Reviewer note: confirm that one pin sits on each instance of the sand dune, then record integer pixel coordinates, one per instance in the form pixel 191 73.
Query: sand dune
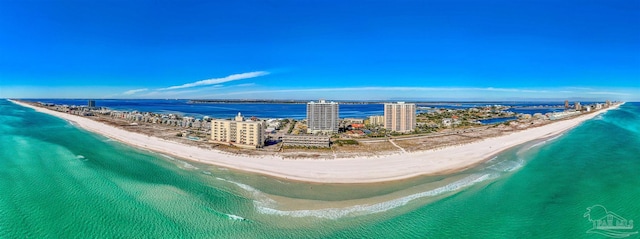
pixel 351 170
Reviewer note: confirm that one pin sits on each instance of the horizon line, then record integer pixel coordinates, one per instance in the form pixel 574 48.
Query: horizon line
pixel 336 100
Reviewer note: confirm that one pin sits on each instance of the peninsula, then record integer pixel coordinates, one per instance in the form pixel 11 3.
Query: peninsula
pixel 359 169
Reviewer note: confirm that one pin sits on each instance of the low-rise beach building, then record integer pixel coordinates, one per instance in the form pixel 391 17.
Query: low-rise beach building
pixel 353 120
pixel 238 132
pixel 562 115
pixel 599 106
pixel 446 122
pixel 320 141
pixel 376 120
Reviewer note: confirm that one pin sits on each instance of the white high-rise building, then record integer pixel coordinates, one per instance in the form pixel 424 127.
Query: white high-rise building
pixel 322 117
pixel 400 117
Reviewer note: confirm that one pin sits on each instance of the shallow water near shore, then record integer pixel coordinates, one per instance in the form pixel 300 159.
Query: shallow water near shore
pixel 60 181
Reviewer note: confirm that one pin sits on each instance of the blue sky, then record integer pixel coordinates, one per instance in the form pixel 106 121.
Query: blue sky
pixel 431 50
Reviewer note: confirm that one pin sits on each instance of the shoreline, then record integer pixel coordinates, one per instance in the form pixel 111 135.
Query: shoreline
pixel 381 168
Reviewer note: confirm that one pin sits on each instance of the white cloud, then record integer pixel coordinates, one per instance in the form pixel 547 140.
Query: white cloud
pixel 214 81
pixel 400 92
pixel 393 88
pixel 606 93
pixel 511 90
pixel 189 91
pixel 579 88
pixel 131 92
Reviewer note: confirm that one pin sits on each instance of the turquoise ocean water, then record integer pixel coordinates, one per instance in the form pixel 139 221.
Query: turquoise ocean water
pixel 58 181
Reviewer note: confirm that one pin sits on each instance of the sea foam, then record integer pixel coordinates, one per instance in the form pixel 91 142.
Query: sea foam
pixel 257 195
pixel 335 213
pixel 82 158
pixel 235 217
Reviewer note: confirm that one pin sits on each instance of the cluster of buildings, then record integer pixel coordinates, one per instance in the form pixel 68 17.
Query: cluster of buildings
pixel 322 117
pixel 74 110
pixel 322 121
pixel 134 117
pixel 163 119
pixel 577 109
pixel 563 114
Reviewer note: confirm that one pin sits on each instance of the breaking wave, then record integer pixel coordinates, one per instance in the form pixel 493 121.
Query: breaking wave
pixel 543 142
pixel 167 157
pixel 508 165
pixel 82 158
pixel 188 166
pixel 494 168
pixel 235 217
pixel 257 195
pixel 335 213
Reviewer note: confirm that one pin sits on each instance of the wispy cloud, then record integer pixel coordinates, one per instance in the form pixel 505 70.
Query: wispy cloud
pixel 186 92
pixel 607 93
pixel 385 89
pixel 214 81
pixel 580 88
pixel 131 92
pixel 511 90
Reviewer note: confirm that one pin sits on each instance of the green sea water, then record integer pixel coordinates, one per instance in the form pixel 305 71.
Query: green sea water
pixel 58 181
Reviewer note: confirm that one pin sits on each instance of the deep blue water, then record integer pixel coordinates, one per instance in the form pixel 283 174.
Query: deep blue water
pixel 221 110
pixel 535 110
pixel 296 111
pixel 496 120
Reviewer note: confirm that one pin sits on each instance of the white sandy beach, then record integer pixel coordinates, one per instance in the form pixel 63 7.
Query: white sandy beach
pixel 351 170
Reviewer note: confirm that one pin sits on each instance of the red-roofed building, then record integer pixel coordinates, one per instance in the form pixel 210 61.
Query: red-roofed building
pixel 357 126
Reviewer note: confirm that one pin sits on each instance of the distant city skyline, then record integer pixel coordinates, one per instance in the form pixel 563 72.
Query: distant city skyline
pixel 349 50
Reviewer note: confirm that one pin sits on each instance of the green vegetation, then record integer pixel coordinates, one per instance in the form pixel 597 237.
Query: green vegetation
pixel 342 142
pixel 376 131
pixel 461 118
pixel 292 126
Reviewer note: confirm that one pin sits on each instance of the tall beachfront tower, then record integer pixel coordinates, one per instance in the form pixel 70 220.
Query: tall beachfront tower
pixel 400 117
pixel 322 117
